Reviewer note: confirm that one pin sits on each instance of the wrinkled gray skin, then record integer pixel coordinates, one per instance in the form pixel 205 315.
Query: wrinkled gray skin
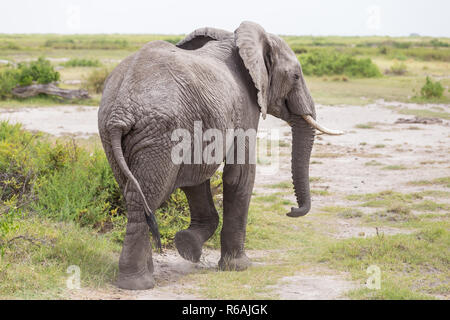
pixel 226 80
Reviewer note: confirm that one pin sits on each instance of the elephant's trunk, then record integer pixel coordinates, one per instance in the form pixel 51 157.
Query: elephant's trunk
pixel 302 143
pixel 301 104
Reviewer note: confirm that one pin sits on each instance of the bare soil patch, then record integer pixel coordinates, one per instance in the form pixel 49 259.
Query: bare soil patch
pixel 314 286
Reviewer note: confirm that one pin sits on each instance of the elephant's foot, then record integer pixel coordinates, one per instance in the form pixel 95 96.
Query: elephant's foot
pixel 189 245
pixel 230 263
pixel 140 281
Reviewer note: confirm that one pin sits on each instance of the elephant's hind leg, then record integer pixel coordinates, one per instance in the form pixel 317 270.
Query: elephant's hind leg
pixel 204 221
pixel 135 263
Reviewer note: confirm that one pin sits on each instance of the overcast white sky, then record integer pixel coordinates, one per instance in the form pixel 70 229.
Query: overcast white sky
pixel 296 17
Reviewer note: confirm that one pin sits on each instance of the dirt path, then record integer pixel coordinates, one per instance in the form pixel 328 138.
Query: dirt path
pixel 80 121
pixel 348 164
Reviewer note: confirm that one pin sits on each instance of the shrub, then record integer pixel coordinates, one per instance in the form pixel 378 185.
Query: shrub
pixel 438 43
pixel 40 71
pixel 401 45
pixel 323 62
pixel 82 63
pixel 400 57
pixel 58 180
pixel 8 81
pixel 9 45
pixel 398 68
pixel 432 89
pixel 80 188
pixel 383 50
pixel 64 182
pixel 96 80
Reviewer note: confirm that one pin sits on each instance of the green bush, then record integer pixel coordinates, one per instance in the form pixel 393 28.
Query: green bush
pixel 438 43
pixel 401 45
pixel 65 182
pixel 58 180
pixel 96 80
pixel 40 71
pixel 432 89
pixel 9 45
pixel 82 63
pixel 326 62
pixel 81 190
pixel 8 81
pixel 383 50
pixel 398 68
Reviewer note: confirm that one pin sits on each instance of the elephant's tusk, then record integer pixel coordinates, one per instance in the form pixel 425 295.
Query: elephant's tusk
pixel 314 124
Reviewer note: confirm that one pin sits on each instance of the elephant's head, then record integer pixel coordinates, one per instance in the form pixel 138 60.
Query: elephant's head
pixel 282 92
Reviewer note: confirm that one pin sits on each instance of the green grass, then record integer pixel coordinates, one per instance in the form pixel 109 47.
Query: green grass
pixel 373 163
pixel 412 266
pixel 429 205
pixel 47 101
pixel 75 62
pixel 420 61
pixel 38 270
pixel 267 221
pixel 79 203
pixel 281 185
pixel 383 198
pixel 398 207
pixel 425 113
pixel 369 125
pixel 366 91
pixel 317 192
pixel 64 198
pixel 438 181
pixel 424 254
pixel 344 212
pixel 326 155
pixel 395 167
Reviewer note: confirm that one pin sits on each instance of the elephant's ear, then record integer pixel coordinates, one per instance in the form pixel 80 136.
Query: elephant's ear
pixel 199 37
pixel 256 53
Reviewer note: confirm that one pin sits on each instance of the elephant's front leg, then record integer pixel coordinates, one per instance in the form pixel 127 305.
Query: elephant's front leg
pixel 237 190
pixel 135 263
pixel 204 221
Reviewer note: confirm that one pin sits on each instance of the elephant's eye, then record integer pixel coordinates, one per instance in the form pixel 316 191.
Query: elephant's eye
pixel 296 76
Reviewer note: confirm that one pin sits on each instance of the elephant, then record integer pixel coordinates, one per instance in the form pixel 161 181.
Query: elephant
pixel 226 80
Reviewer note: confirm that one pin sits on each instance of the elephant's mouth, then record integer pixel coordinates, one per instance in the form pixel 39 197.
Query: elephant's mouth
pixel 310 120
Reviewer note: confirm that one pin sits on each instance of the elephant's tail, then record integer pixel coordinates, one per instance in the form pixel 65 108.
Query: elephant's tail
pixel 116 143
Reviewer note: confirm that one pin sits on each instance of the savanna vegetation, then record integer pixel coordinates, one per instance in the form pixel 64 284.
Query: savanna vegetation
pixel 49 184
pixel 339 70
pixel 60 205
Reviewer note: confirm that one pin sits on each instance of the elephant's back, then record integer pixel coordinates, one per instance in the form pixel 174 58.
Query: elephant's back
pixel 161 79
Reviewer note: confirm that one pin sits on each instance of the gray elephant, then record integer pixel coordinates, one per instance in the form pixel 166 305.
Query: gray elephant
pixel 225 80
